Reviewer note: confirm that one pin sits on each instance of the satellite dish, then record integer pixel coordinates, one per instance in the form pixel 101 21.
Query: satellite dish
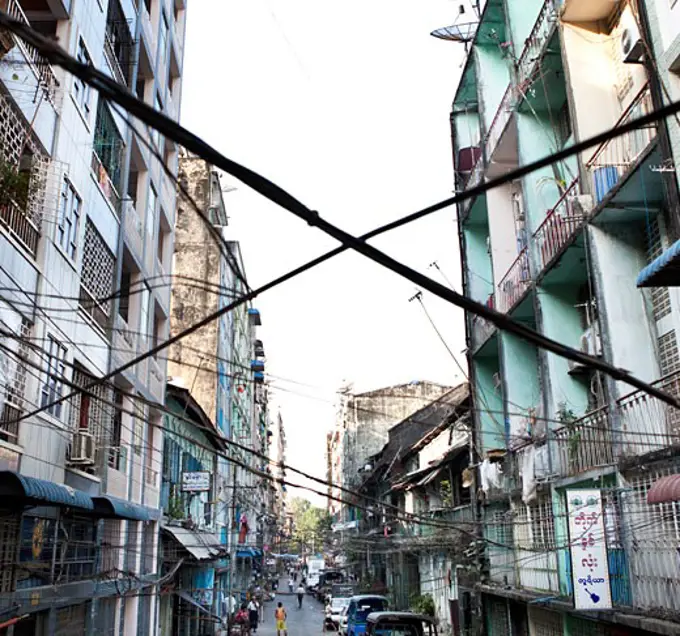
pixel 464 32
pixel 467 478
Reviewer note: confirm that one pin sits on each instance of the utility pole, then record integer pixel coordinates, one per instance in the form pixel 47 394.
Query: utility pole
pixel 232 553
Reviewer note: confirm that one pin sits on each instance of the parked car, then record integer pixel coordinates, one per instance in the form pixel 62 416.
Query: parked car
pixel 334 612
pixel 400 624
pixel 358 610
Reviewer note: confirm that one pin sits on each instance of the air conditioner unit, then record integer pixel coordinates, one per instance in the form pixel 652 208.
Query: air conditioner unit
pixel 589 344
pixel 632 47
pixel 82 449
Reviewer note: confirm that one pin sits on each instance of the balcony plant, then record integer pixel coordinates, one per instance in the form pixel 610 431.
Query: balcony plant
pixel 423 604
pixel 567 417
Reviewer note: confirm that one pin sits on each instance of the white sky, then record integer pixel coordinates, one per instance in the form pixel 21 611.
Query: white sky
pixel 345 105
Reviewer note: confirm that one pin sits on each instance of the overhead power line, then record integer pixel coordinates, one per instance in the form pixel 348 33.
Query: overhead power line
pixel 120 95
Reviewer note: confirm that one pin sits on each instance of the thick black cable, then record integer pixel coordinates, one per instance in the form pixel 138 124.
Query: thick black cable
pixel 123 97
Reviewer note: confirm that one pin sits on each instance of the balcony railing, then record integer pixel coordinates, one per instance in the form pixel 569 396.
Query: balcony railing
pixel 481 328
pixel 647 423
pixel 95 309
pixel 475 177
pixel 500 121
pixel 9 423
pixel 19 225
pixel 124 341
pixel 156 380
pixel 515 282
pixel 112 59
pixel 615 157
pixel 40 65
pixel 104 181
pixel 560 224
pixel 133 227
pixel 536 42
pixel 585 443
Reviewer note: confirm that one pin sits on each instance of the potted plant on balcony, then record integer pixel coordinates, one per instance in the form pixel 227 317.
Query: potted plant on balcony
pixel 567 417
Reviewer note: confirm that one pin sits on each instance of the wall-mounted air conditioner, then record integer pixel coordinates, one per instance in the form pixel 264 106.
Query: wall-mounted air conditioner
pixel 590 344
pixel 82 449
pixel 632 47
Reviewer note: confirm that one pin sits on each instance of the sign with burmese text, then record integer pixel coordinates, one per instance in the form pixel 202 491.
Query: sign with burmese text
pixel 198 481
pixel 588 547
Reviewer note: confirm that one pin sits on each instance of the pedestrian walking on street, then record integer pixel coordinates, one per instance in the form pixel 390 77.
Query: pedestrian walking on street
pixel 280 615
pixel 253 615
pixel 300 595
pixel 290 584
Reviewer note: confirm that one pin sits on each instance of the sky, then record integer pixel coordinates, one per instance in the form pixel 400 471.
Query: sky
pixel 345 105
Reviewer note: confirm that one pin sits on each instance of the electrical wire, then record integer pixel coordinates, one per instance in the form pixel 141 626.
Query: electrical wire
pixel 114 92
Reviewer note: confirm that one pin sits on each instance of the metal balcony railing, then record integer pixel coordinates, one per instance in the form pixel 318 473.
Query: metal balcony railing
pixel 19 225
pixel 123 339
pixel 560 224
pixel 481 328
pixel 475 177
pixel 500 121
pixel 585 443
pixel 112 59
pixel 133 227
pixel 40 65
pixel 615 157
pixel 536 42
pixel 515 282
pixel 647 423
pixel 104 181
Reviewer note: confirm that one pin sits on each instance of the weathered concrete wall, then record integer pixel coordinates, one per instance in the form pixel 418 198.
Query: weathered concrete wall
pixel 369 416
pixel 197 255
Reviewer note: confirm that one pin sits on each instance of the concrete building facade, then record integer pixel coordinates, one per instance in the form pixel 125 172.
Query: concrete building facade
pixel 572 251
pixel 86 210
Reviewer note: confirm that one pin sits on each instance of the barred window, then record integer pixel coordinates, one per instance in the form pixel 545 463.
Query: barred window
pixel 69 219
pixel 13 373
pixel 96 276
pixel 542 523
pixel 53 386
pixel 669 358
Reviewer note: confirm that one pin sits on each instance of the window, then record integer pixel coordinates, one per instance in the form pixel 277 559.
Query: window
pixel 69 219
pixel 151 203
pixel 163 41
pixel 54 382
pixel 151 473
pixel 669 358
pixel 145 299
pixel 96 276
pixel 158 105
pixel 107 153
pixel 81 91
pixel 115 459
pixel 564 129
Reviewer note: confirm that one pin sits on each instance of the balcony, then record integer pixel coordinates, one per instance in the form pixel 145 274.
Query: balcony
pixel 104 182
pixel 536 42
pixel 501 149
pixel 647 423
pixel 515 283
pixel 163 286
pixel 37 62
pixel 156 380
pixel 134 231
pixel 482 329
pixel 112 61
pixel 19 225
pixel 560 225
pixel 124 341
pixel 585 443
pixel 95 310
pixel 615 159
pixel 588 10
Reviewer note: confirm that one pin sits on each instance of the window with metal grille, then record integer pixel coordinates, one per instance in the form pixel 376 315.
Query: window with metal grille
pixel 148 564
pixel 497 617
pixel 116 457
pixel 545 623
pixel 72 620
pixel 81 90
pixel 77 549
pixel 53 386
pixel 9 543
pixel 96 276
pixel 541 524
pixel 107 152
pixel 111 545
pixel 13 373
pixel 132 543
pixel 669 357
pixel 91 413
pixel 69 219
pixel 660 297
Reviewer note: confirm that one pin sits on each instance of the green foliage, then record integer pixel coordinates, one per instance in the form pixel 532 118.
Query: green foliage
pixel 446 493
pixel 175 508
pixel 311 525
pixel 14 185
pixel 567 417
pixel 423 604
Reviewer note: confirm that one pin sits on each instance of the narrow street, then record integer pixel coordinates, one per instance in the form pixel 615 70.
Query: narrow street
pixel 307 621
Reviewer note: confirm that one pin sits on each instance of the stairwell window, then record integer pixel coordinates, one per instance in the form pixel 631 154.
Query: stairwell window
pixel 96 276
pixel 53 386
pixel 81 90
pixel 69 219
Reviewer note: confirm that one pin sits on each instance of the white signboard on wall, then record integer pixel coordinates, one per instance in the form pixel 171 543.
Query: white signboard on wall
pixel 196 481
pixel 588 547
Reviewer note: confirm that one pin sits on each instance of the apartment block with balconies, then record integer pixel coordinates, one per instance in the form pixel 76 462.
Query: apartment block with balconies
pixel 71 237
pixel 561 250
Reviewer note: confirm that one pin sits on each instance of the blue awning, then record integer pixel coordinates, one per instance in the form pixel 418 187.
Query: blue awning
pixel 113 507
pixel 22 490
pixel 245 553
pixel 663 271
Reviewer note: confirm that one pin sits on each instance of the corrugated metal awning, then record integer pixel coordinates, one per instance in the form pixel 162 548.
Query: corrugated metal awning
pixel 23 490
pixel 113 507
pixel 664 490
pixel 202 546
pixel 189 599
pixel 663 271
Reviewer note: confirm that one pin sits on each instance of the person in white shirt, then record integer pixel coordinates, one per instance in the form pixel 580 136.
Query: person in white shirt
pixel 300 595
pixel 253 615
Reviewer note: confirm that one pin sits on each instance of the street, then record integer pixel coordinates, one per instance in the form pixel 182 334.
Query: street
pixel 308 620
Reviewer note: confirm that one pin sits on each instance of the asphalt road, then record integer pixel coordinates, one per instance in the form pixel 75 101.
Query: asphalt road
pixel 301 622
